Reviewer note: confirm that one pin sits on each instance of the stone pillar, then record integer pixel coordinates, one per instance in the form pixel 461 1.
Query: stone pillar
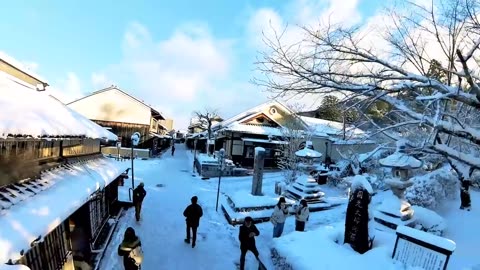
pixel 258 171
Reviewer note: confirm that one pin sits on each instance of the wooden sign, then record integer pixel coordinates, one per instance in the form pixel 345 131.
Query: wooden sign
pixel 417 248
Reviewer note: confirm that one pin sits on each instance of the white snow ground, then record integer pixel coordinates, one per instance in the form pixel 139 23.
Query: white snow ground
pixel 162 227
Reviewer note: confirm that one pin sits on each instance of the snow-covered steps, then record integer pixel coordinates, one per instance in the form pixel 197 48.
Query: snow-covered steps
pixel 389 223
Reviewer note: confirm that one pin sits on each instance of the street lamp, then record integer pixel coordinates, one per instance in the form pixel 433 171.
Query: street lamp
pixel 135 140
pixel 221 167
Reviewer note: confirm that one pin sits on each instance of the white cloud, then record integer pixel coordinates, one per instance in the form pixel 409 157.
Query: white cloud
pixel 67 89
pixel 100 80
pixel 177 74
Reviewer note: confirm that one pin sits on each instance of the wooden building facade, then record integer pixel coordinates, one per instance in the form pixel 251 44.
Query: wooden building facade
pixel 124 114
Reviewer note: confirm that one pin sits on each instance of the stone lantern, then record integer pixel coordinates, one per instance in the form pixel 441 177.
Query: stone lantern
pixel 394 209
pixel 308 157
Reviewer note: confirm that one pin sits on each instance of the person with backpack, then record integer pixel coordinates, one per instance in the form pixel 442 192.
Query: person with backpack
pixel 193 213
pixel 131 250
pixel 279 215
pixel 301 216
pixel 246 235
pixel 139 194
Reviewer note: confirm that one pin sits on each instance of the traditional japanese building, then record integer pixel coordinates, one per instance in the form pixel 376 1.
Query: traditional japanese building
pixel 57 191
pixel 124 114
pixel 271 125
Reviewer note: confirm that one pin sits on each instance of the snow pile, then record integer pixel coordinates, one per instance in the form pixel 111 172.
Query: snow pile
pixel 432 188
pixel 13 267
pixel 206 159
pixel 328 251
pixel 438 241
pixel 361 181
pixel 374 181
pixel 308 153
pixel 401 160
pixel 244 199
pixel 259 149
pixel 30 113
pixel 429 221
pixel 71 189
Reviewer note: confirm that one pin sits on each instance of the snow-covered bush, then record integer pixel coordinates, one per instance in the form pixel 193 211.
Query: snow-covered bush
pixel 429 221
pixel 432 188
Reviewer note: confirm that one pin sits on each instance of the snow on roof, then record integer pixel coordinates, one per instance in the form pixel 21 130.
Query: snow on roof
pixel 18 65
pixel 14 267
pixel 253 129
pixel 327 128
pixel 114 87
pixel 28 112
pixel 36 216
pixel 251 112
pixel 401 160
pixel 307 152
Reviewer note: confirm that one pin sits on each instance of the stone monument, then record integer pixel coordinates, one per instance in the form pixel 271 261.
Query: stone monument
pixel 258 171
pixel 395 210
pixel 356 221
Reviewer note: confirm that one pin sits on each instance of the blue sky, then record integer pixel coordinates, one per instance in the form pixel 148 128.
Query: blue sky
pixel 178 56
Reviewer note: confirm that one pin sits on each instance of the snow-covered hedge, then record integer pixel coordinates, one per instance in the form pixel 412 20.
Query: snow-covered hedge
pixel 432 188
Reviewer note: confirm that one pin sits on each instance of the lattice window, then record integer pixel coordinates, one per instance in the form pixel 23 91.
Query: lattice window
pixel 51 254
pixel 98 212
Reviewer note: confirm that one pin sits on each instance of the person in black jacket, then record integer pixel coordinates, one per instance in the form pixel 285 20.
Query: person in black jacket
pixel 193 213
pixel 139 194
pixel 173 149
pixel 247 234
pixel 129 243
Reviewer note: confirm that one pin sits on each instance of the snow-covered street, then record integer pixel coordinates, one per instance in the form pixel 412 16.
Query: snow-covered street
pixel 170 185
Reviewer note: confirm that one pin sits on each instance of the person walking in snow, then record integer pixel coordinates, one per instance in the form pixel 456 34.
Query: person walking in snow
pixel 246 235
pixel 139 194
pixel 193 213
pixel 301 216
pixel 173 149
pixel 131 250
pixel 279 215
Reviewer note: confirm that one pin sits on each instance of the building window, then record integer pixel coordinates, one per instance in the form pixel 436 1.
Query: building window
pixel 51 254
pixel 98 212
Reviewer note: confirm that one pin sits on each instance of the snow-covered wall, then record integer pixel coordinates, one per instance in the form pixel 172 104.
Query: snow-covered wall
pixel 113 105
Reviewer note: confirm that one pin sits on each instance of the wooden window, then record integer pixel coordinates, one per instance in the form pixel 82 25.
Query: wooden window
pixel 98 212
pixel 51 254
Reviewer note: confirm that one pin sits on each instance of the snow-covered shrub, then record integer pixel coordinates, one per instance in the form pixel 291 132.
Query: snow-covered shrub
pixel 432 188
pixel 429 221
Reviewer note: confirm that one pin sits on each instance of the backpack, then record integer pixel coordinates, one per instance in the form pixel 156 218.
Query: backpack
pixel 137 255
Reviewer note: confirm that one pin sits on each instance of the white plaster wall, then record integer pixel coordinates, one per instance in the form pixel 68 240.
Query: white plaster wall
pixel 113 105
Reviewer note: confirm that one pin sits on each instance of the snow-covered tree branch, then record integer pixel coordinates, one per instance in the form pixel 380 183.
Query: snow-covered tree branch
pixel 424 63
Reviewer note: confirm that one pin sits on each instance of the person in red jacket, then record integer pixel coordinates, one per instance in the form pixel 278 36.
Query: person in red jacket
pixel 247 234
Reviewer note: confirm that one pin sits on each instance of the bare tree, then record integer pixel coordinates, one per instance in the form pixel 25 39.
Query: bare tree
pixel 206 117
pixel 295 136
pixel 438 116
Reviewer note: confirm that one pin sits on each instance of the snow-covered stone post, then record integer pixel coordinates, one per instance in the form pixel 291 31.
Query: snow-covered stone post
pixel 395 210
pixel 258 171
pixel 356 221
